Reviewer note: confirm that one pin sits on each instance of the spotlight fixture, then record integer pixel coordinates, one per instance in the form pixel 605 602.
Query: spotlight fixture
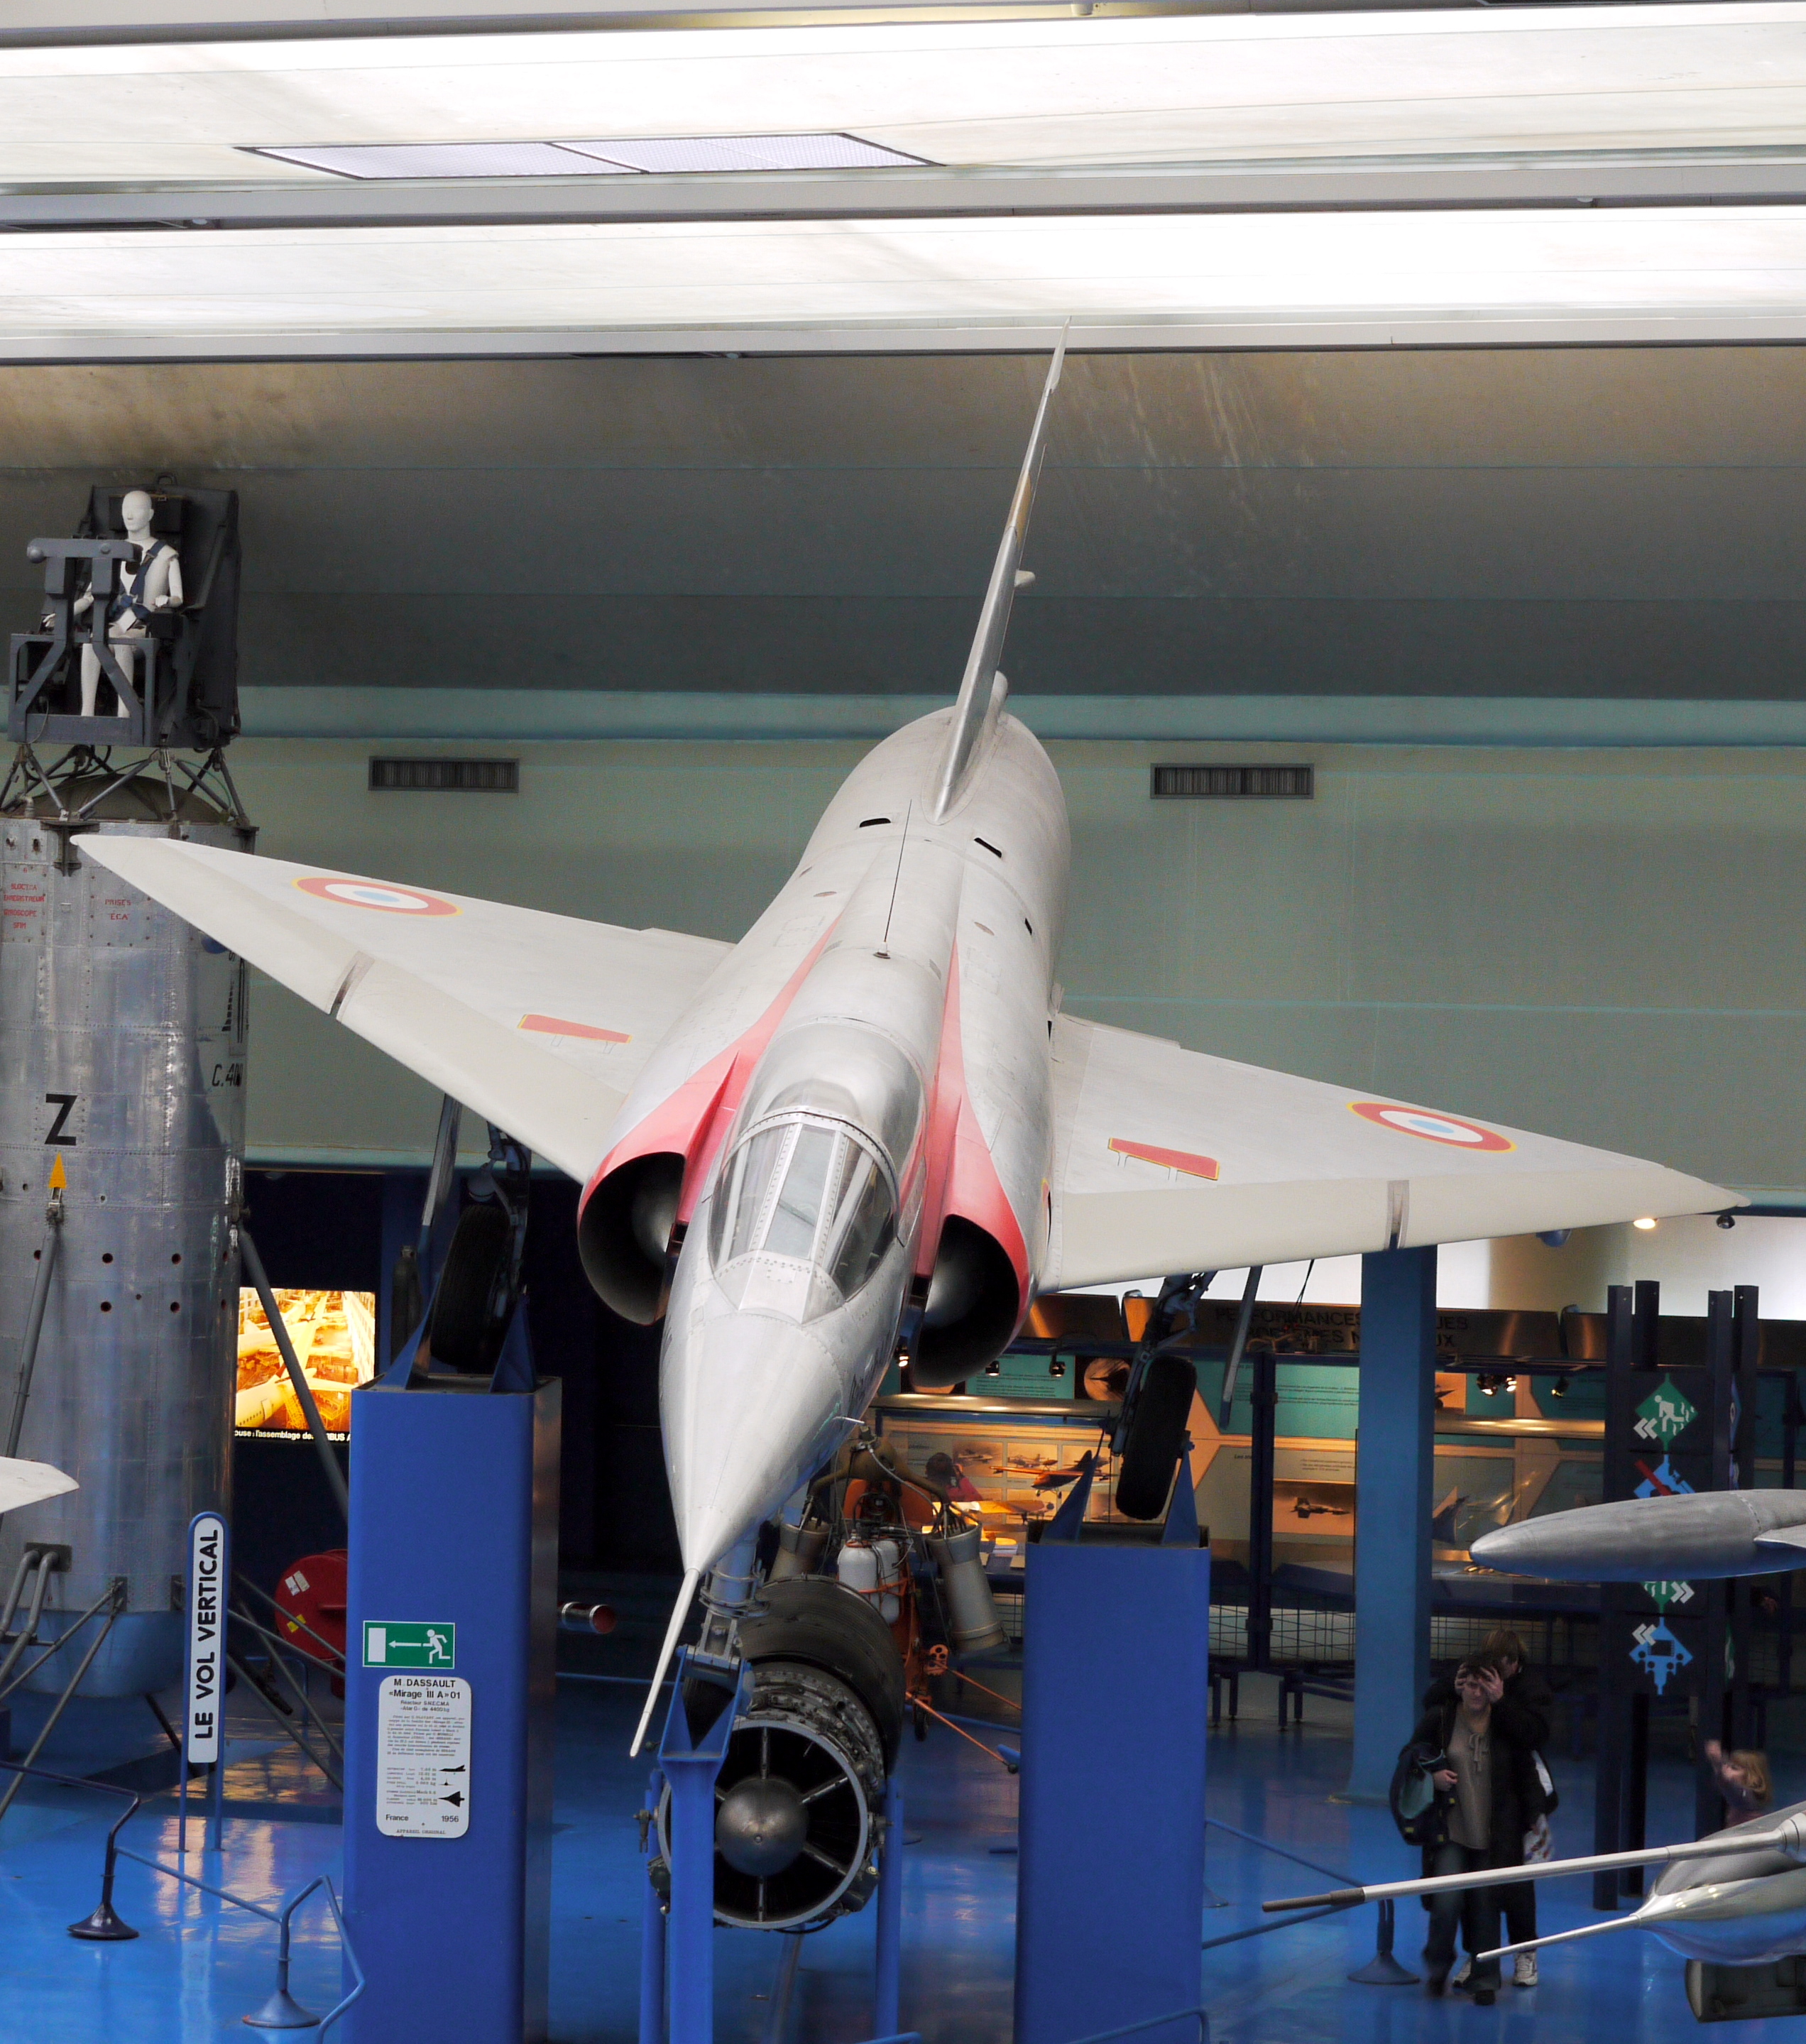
pixel 1056 1368
pixel 1643 1222
pixel 993 1368
pixel 1727 1220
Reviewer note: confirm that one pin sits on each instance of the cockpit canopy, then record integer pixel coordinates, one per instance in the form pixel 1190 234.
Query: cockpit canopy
pixel 841 1071
pixel 804 1212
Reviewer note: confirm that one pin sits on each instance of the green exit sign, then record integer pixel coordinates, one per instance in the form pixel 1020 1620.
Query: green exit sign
pixel 405 1643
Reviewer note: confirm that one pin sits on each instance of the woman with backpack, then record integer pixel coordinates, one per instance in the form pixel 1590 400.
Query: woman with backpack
pixel 1479 1753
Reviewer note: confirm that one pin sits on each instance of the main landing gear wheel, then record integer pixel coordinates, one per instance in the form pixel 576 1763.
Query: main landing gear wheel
pixel 1156 1437
pixel 469 1311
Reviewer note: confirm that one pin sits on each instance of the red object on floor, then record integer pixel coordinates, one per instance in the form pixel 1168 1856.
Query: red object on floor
pixel 311 1597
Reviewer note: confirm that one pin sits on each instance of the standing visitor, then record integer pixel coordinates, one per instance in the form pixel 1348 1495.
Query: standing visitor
pixel 1489 1796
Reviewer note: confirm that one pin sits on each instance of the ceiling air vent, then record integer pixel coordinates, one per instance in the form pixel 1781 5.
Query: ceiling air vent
pixel 446 777
pixel 1233 784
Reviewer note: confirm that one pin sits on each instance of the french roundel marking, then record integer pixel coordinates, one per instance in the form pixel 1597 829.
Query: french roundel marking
pixel 1431 1127
pixel 378 894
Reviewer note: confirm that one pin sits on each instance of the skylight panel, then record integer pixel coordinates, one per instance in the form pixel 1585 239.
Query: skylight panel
pixel 692 153
pixel 444 160
pixel 684 155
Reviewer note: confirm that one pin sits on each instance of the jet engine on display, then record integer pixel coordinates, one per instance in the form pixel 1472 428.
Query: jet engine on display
pixel 839 1659
pixel 867 1132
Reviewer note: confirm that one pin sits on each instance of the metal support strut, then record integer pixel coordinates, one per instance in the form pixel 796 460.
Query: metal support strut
pixel 43 1562
pixel 303 1390
pixel 651 1931
pixel 888 1998
pixel 34 1318
pixel 112 1604
pixel 691 1765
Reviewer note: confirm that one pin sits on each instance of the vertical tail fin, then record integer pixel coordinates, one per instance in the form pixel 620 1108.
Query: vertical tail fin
pixel 981 687
pixel 679 1612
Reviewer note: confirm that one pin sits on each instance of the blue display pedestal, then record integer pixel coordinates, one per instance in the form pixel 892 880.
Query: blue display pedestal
pixel 1394 1465
pixel 454 1533
pixel 1116 1713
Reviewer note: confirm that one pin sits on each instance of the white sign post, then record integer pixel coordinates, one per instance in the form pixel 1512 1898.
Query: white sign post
pixel 209 1573
pixel 423 1767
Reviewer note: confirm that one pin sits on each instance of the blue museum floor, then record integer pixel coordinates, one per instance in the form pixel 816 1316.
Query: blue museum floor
pixel 200 1965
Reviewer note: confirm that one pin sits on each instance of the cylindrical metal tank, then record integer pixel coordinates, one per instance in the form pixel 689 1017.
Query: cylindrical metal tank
pixel 122 1041
pixel 971 1610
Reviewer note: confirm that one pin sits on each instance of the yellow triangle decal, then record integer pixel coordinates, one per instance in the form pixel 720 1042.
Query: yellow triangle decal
pixel 59 1178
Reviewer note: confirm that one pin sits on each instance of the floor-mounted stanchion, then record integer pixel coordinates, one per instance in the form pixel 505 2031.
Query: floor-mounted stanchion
pixel 888 1997
pixel 204 1735
pixel 690 1763
pixel 1382 1969
pixel 215 1839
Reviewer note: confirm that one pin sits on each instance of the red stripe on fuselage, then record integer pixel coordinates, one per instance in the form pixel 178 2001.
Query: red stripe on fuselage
pixel 963 1177
pixel 692 1122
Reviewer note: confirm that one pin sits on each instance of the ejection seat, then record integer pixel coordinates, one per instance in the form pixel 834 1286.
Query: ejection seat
pixel 183 693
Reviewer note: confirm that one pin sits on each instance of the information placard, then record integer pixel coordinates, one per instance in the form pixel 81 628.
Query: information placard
pixel 423 1769
pixel 209 1572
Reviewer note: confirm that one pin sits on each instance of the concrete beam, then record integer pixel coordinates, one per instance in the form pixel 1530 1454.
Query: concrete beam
pixel 506 715
pixel 47 22
pixel 1487 183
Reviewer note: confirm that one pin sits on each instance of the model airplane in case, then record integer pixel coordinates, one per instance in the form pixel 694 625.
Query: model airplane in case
pixel 866 1129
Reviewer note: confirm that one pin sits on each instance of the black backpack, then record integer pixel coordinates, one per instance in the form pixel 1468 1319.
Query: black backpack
pixel 1418 1806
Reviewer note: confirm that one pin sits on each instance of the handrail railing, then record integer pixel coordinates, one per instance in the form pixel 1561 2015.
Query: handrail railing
pixel 1381 1970
pixel 104 1926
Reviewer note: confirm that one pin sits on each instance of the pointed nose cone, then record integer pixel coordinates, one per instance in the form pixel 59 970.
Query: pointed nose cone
pixel 1685 1538
pixel 750 1404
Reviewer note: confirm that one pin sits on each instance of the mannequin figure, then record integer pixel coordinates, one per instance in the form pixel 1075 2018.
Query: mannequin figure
pixel 152 582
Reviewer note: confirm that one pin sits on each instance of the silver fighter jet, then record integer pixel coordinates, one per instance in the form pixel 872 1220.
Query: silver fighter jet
pixel 867 1129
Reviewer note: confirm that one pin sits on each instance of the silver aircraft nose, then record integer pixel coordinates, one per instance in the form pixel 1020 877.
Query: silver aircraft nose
pixel 751 1403
pixel 1691 1538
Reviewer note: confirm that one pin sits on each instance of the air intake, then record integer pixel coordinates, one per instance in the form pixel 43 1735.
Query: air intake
pixel 446 777
pixel 1233 784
